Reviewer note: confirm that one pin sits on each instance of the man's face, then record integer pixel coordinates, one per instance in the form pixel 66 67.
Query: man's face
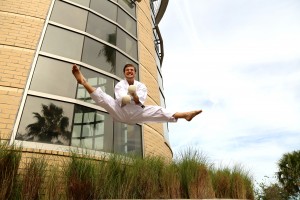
pixel 129 72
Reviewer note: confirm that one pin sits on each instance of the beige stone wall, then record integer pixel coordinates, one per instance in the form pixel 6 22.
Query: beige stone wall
pixel 155 144
pixel 53 158
pixel 154 141
pixel 21 24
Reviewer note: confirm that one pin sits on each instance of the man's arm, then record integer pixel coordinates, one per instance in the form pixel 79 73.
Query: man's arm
pixel 135 98
pixel 138 93
pixel 141 92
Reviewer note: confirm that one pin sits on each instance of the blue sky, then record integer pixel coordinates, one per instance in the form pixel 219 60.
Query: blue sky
pixel 239 61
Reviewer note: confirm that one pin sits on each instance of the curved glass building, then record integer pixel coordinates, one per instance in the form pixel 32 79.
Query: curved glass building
pixel 43 108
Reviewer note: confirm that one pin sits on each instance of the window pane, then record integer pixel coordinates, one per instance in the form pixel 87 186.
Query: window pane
pixel 87 130
pixel 82 2
pixel 101 28
pixel 121 61
pixel 62 42
pixel 127 43
pixel 99 55
pixel 126 22
pixel 105 8
pixel 162 99
pixel 99 143
pixel 93 125
pixel 89 117
pixel 96 80
pixel 88 124
pixel 87 143
pixel 166 132
pixel 75 143
pixel 76 132
pixel 128 6
pixel 69 15
pixel 128 139
pixel 53 77
pixel 99 126
pixel 160 79
pixel 45 121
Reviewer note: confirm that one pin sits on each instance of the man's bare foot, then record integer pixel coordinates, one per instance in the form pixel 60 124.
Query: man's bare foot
pixel 190 115
pixel 77 74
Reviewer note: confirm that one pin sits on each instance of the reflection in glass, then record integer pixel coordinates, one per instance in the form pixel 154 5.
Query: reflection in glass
pixel 99 55
pixel 82 2
pixel 160 79
pixel 48 125
pixel 62 42
pixel 128 5
pixel 105 8
pixel 99 143
pixel 92 129
pixel 166 133
pixel 126 22
pixel 128 139
pixel 69 15
pixel 127 43
pixel 53 77
pixel 96 80
pixel 101 28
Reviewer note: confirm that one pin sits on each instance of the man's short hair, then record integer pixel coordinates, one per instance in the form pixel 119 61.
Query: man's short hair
pixel 129 65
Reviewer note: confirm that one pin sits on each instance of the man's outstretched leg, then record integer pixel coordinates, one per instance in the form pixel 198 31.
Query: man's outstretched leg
pixel 81 80
pixel 101 98
pixel 187 115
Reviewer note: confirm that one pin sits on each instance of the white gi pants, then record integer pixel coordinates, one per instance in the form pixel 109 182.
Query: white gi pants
pixel 131 113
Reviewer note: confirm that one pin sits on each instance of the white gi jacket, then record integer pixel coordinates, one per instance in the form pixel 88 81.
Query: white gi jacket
pixel 121 89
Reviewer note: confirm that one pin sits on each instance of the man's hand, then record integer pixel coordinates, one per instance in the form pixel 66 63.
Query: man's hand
pixel 126 100
pixel 132 90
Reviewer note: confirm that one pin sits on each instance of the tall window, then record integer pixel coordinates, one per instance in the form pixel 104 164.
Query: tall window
pixel 100 36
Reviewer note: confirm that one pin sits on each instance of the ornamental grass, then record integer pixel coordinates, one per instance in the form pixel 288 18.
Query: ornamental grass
pixel 82 176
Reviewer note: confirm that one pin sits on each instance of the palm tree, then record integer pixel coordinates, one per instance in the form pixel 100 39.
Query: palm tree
pixel 289 172
pixel 50 126
pixel 109 52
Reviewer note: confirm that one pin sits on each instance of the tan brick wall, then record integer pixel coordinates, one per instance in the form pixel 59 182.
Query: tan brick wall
pixel 9 104
pixel 154 142
pixel 21 24
pixel 146 44
pixel 33 8
pixel 19 30
pixel 52 157
pixel 14 66
pixel 152 86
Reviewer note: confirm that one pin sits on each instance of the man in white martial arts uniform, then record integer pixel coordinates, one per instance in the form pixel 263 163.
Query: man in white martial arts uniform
pixel 128 106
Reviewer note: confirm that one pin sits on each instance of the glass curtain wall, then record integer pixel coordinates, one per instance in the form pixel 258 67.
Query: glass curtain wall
pixel 100 36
